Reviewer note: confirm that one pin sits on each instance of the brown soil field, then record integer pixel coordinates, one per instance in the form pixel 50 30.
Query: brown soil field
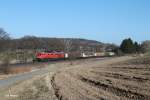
pixel 104 81
pixel 120 78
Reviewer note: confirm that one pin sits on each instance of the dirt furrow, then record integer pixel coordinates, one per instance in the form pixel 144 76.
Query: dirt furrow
pixel 56 89
pixel 121 76
pixel 75 87
pixel 101 94
pixel 117 91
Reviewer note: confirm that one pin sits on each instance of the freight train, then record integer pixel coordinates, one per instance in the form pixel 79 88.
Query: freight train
pixel 58 55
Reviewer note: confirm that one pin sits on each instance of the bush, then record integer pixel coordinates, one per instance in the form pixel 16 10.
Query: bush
pixel 118 52
pixel 5 64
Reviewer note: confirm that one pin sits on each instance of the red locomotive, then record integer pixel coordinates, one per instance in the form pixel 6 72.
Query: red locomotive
pixel 50 55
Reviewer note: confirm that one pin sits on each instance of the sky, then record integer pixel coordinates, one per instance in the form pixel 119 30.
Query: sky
pixel 108 21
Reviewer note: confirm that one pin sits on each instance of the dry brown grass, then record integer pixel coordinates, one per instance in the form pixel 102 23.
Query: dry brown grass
pixel 33 89
pixel 104 81
pixel 112 79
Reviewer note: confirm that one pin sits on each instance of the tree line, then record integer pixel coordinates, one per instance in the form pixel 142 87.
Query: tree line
pixel 128 46
pixel 34 43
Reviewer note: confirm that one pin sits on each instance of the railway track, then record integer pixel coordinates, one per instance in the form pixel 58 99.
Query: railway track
pixel 35 64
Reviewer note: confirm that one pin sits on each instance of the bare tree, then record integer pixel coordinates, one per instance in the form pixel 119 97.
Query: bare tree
pixel 4 39
pixel 29 42
pixel 3 34
pixel 4 49
pixel 68 45
pixel 146 46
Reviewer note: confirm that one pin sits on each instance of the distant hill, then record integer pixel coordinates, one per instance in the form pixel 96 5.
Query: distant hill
pixel 31 42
